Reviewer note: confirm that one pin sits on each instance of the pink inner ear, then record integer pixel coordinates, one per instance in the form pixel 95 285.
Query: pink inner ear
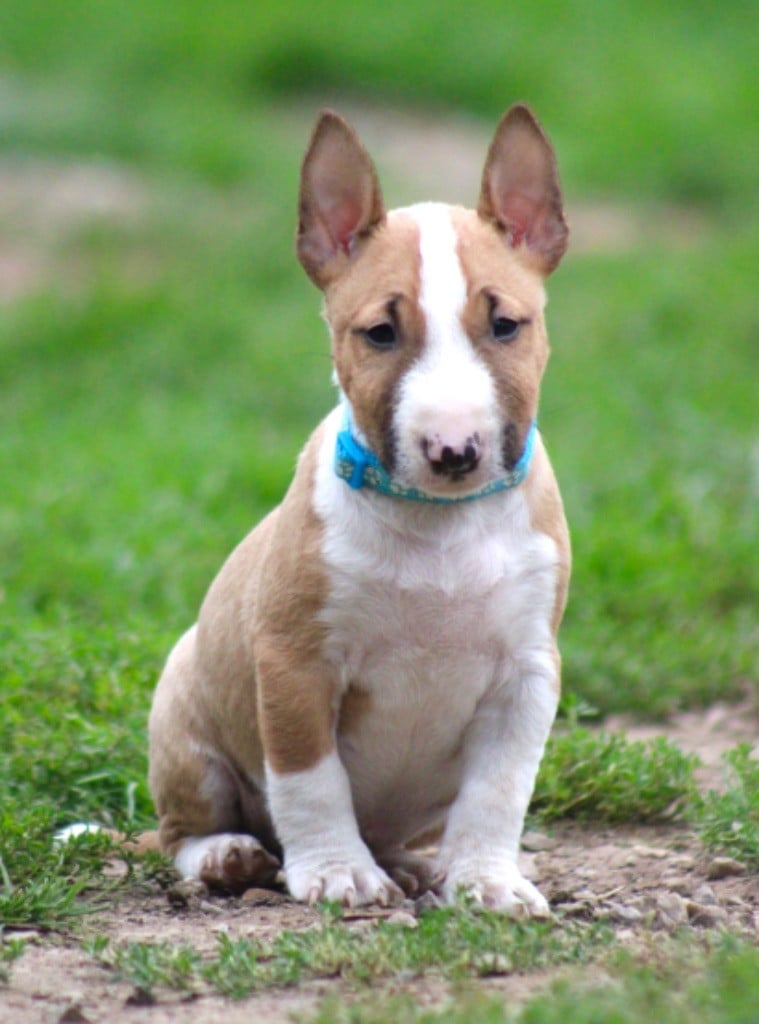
pixel 518 214
pixel 343 219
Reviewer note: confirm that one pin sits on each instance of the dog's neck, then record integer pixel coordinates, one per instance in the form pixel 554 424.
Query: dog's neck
pixel 359 467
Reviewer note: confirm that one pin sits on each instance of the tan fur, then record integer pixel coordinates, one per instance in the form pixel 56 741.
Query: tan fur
pixel 491 267
pixel 520 191
pixel 297 695
pixel 380 287
pixel 495 272
pixel 340 200
pixel 547 516
pixel 146 842
pixel 251 685
pixel 267 594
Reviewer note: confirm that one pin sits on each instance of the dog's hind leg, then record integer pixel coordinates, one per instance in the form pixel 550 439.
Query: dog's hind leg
pixel 213 819
pixel 226 860
pixel 413 872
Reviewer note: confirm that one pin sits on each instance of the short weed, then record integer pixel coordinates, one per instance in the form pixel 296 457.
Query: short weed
pixel 10 950
pixel 716 988
pixel 48 885
pixel 148 966
pixel 458 943
pixel 40 884
pixel 600 776
pixel 729 821
pixel 721 989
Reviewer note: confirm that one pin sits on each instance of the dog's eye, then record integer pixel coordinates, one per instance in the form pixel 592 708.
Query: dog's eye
pixel 381 336
pixel 505 329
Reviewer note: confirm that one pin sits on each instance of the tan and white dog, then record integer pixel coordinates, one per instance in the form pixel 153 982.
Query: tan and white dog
pixel 377 660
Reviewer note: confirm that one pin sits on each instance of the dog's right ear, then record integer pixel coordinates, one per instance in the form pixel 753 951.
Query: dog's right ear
pixel 340 199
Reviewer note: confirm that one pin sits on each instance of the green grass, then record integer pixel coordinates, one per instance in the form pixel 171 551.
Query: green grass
pixel 52 886
pixel 165 364
pixel 643 98
pixel 454 943
pixel 605 778
pixel 722 989
pixel 729 820
pixel 10 950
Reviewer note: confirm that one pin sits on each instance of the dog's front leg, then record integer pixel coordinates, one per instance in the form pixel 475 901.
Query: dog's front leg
pixel 503 748
pixel 308 789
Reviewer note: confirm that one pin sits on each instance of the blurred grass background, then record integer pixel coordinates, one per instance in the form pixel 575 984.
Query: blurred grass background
pixel 162 359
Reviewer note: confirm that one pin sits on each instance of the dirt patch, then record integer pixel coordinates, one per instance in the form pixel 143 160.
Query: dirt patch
pixel 41 201
pixel 642 881
pixel 421 155
pixel 656 879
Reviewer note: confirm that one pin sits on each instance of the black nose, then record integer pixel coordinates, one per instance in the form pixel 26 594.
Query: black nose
pixel 455 463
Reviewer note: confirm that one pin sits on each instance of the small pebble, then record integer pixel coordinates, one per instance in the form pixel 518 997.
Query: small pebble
pixel 537 842
pixel 704 895
pixel 361 924
pixel 619 912
pixel 706 916
pixel 402 918
pixel 493 964
pixel 115 867
pixel 181 893
pixel 724 867
pixel 656 852
pixel 683 861
pixel 73 1015
pixel 678 885
pixel 264 898
pixel 734 901
pixel 212 908
pixel 427 902
pixel 671 910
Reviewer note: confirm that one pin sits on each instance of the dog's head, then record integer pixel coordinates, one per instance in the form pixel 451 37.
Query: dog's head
pixel 436 312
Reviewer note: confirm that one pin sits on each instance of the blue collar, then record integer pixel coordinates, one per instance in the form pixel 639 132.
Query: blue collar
pixel 360 467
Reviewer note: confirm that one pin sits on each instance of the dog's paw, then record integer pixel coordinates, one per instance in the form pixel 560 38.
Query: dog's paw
pixel 226 861
pixel 412 872
pixel 349 883
pixel 501 887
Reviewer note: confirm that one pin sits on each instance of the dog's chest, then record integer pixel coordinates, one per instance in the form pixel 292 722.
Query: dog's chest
pixel 422 624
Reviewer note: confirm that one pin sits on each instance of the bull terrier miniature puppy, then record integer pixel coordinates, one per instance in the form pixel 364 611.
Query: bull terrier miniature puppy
pixel 377 662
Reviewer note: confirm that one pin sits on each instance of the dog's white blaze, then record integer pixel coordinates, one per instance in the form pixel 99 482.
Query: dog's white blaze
pixel 448 395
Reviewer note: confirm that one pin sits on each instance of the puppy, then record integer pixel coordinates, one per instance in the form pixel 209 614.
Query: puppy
pixel 376 662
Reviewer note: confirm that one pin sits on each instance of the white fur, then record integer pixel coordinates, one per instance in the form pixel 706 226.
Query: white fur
pixel 80 828
pixel 448 395
pixel 437 618
pixel 325 857
pixel 442 615
pixel 206 856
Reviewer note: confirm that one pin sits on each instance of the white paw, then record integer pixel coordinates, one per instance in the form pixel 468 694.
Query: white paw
pixel 497 887
pixel 351 883
pixel 228 860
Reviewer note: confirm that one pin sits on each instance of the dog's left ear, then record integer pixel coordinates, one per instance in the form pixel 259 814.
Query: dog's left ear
pixel 340 199
pixel 520 189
